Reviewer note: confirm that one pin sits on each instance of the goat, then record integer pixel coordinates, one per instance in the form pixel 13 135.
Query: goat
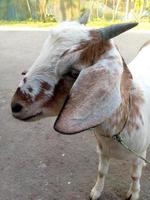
pixel 81 77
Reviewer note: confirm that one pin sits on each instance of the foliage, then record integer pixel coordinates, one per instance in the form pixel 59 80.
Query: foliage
pixel 57 10
pixel 95 23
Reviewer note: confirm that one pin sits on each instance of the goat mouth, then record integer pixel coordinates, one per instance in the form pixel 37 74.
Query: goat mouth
pixel 33 117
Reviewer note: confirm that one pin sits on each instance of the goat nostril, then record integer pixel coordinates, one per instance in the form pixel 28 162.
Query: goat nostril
pixel 16 107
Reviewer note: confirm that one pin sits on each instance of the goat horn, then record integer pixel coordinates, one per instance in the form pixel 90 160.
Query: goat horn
pixel 114 30
pixel 84 18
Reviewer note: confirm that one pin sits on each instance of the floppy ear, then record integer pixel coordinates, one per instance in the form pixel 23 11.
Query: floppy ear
pixel 94 97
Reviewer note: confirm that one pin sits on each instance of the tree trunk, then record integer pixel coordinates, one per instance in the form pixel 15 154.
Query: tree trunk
pixel 29 7
pixel 91 8
pixel 116 9
pixel 42 6
pixel 113 16
pixel 127 10
pixel 79 5
pixel 71 9
pixel 142 8
pixel 63 10
pixel 104 9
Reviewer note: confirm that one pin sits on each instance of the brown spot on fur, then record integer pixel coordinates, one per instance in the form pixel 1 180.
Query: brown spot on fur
pixel 44 86
pixel 25 80
pixel 22 96
pixel 40 95
pixel 30 89
pixel 129 110
pixel 60 92
pixel 136 100
pixel 118 119
pixel 93 49
pixel 126 82
pixel 129 107
pixel 27 98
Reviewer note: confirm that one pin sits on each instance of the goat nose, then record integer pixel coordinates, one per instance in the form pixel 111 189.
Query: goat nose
pixel 16 107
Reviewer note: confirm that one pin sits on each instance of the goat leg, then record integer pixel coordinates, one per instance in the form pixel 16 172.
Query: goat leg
pixel 136 172
pixel 102 171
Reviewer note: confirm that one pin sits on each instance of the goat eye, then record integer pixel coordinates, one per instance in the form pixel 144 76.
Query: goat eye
pixel 73 73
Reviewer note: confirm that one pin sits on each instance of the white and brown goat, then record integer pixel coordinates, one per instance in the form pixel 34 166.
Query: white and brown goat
pixel 81 77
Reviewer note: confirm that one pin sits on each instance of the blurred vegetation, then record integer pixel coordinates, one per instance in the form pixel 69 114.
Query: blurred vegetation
pixel 47 12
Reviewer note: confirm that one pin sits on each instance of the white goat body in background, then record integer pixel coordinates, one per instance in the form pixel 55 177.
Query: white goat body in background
pixel 84 66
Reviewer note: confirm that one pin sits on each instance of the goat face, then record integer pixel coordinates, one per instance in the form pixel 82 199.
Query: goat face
pixel 71 50
pixel 44 87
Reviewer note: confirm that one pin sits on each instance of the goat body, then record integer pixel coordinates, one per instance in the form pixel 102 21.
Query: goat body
pixel 137 136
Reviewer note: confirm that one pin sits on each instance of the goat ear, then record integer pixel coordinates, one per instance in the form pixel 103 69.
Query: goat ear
pixel 94 97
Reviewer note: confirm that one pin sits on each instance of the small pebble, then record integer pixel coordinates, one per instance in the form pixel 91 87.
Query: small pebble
pixel 46 183
pixel 42 165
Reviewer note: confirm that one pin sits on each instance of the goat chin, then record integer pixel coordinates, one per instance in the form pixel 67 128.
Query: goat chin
pixel 34 118
pixel 31 118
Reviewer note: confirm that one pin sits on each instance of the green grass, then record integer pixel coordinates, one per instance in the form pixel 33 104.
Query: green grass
pixel 102 23
pixel 34 24
pixel 95 23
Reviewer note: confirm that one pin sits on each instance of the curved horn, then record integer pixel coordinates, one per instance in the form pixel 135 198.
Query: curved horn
pixel 84 18
pixel 114 30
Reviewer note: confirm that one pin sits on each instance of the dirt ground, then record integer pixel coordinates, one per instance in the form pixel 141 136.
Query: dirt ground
pixel 37 163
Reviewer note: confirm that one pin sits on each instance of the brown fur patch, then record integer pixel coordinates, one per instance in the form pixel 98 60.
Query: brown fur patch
pixel 25 80
pixel 40 95
pixel 60 93
pixel 136 100
pixel 117 120
pixel 93 49
pixel 125 87
pixel 27 98
pixel 129 109
pixel 44 86
pixel 130 105
pixel 30 89
pixel 22 96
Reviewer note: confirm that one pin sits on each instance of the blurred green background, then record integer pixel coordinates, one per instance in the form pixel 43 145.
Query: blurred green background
pixel 45 13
